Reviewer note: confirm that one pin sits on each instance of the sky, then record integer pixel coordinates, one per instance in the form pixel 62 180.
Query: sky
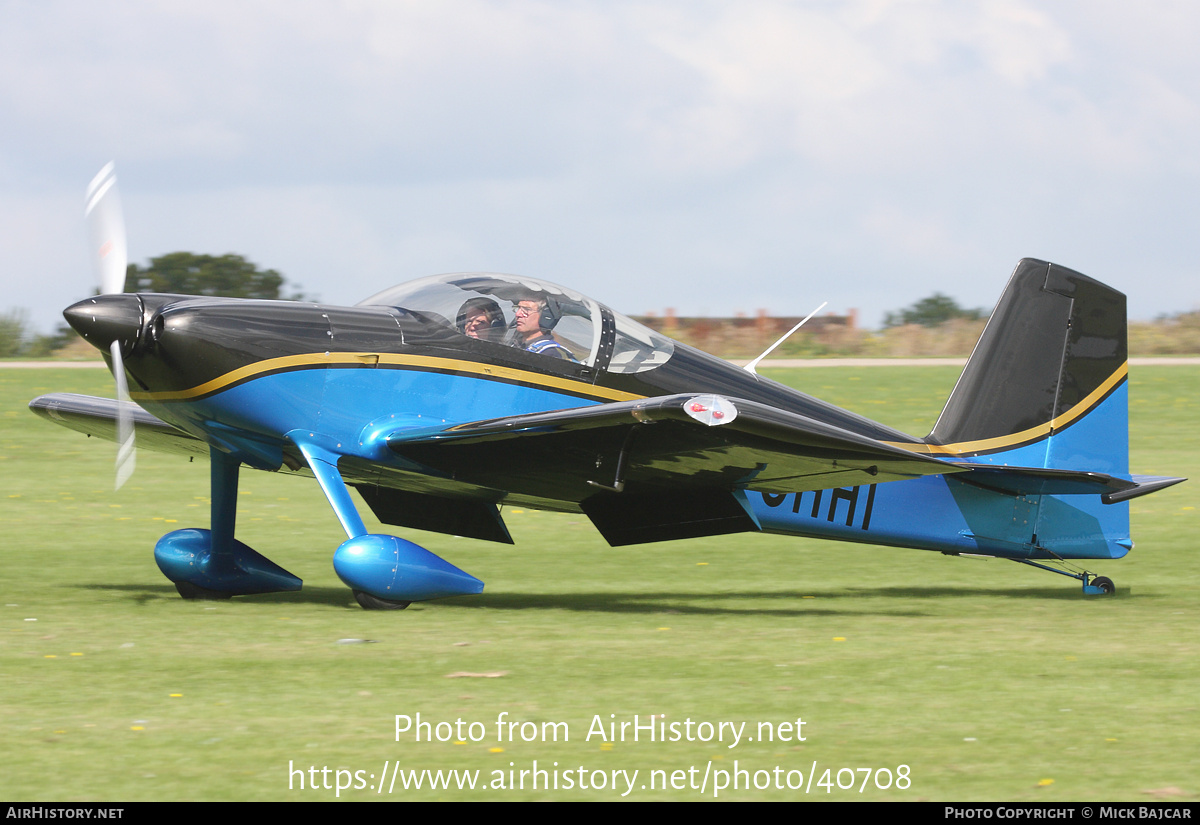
pixel 710 157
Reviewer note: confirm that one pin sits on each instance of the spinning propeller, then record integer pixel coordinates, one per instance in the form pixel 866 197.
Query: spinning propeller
pixel 106 227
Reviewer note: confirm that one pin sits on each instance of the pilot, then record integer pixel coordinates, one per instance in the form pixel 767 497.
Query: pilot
pixel 481 318
pixel 535 319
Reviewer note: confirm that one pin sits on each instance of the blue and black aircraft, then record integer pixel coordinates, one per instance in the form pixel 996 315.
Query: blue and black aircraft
pixel 444 399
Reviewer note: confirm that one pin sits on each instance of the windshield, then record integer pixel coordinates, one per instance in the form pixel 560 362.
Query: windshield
pixel 530 314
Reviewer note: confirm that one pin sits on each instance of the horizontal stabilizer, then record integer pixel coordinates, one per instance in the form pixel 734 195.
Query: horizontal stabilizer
pixel 1034 481
pixel 1142 486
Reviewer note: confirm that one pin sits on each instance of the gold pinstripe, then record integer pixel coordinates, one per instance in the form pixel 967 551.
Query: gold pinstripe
pixel 1025 436
pixel 429 362
pixel 492 371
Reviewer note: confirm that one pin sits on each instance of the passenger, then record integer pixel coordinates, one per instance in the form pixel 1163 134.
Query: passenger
pixel 535 319
pixel 481 318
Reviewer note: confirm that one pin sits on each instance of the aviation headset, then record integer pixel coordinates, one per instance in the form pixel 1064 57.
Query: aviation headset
pixel 549 312
pixel 485 305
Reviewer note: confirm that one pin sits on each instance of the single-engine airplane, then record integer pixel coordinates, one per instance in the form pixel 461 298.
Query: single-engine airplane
pixel 442 399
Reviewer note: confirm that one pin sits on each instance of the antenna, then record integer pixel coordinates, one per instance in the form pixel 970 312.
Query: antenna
pixel 750 367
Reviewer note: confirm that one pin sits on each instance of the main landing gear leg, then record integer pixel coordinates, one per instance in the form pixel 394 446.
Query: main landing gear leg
pixel 1099 586
pixel 212 564
pixel 385 572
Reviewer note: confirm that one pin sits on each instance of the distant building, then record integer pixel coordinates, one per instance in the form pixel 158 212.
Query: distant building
pixel 743 335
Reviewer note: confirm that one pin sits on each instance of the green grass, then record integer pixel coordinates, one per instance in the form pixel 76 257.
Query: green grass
pixel 990 680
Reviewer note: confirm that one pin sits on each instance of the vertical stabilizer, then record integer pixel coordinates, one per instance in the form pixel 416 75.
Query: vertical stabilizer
pixel 1045 385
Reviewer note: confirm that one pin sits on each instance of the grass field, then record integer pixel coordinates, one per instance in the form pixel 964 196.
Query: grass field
pixel 987 679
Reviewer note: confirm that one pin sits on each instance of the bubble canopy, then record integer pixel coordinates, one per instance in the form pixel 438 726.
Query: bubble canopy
pixel 484 306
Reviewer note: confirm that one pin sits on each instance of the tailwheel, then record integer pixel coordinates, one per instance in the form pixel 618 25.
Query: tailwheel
pixel 194 592
pixel 1092 585
pixel 368 602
